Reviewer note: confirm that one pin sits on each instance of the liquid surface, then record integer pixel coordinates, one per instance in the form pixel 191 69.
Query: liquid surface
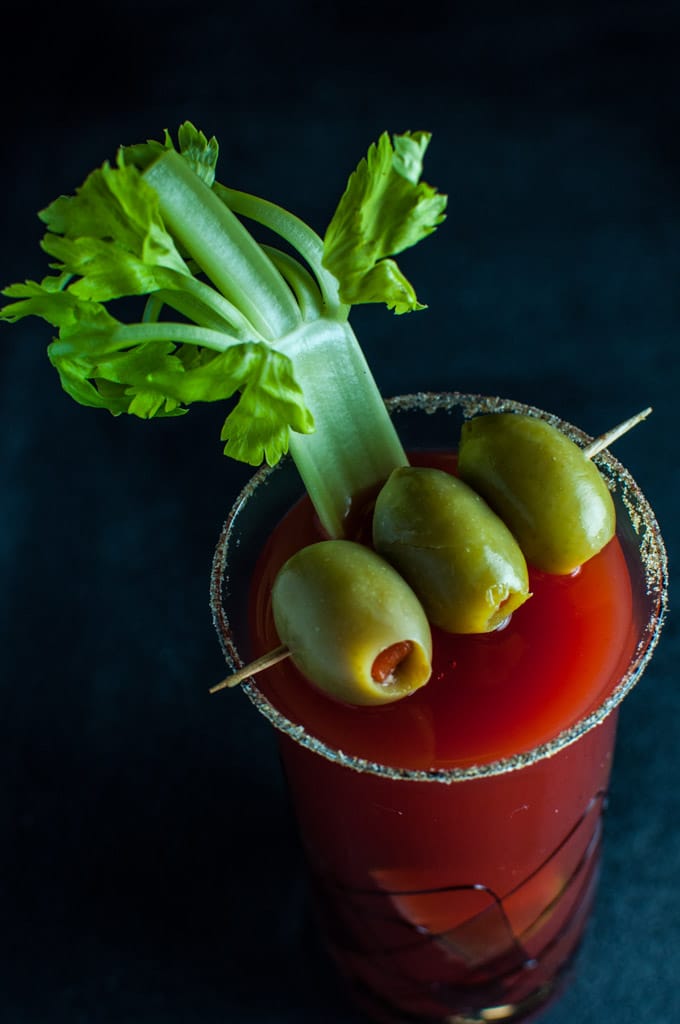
pixel 490 696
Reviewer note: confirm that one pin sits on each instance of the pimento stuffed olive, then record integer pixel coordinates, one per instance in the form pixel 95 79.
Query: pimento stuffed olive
pixel 353 626
pixel 459 557
pixel 543 486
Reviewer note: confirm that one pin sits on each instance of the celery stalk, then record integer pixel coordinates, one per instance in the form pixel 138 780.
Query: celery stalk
pixel 222 247
pixel 267 325
pixel 354 445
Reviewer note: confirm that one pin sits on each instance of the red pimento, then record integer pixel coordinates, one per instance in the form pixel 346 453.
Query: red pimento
pixel 387 662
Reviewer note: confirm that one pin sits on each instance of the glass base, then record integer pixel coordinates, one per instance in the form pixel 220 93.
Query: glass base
pixel 528 1009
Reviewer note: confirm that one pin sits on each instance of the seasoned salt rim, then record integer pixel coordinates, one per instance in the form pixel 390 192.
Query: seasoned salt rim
pixel 652 556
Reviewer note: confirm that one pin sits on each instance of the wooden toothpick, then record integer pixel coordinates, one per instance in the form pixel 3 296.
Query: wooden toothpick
pixel 604 440
pixel 259 665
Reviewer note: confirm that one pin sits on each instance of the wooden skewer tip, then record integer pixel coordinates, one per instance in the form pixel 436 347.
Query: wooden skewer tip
pixel 259 665
pixel 604 440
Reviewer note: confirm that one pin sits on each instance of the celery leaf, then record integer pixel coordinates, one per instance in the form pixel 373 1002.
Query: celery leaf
pixel 100 365
pixel 46 299
pixel 271 404
pixel 384 210
pixel 200 152
pixel 107 270
pixel 116 212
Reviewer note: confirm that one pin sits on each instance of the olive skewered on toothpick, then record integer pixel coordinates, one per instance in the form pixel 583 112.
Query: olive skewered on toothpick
pixel 456 553
pixel 351 623
pixel 544 487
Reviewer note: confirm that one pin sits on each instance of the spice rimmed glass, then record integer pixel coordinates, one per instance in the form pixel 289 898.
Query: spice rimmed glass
pixel 459 894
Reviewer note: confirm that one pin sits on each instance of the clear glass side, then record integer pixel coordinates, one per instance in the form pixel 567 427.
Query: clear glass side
pixel 432 421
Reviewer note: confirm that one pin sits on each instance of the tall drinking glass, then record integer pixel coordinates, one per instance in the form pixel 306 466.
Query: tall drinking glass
pixel 447 889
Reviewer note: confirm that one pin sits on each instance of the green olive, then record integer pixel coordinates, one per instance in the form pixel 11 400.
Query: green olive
pixel 539 481
pixel 459 557
pixel 353 626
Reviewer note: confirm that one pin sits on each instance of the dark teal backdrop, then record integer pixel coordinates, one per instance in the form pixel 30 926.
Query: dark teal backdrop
pixel 148 871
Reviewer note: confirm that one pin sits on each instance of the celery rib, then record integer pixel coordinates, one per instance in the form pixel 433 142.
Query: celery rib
pixel 305 288
pixel 187 305
pixel 127 335
pixel 354 446
pixel 228 313
pixel 215 238
pixel 295 232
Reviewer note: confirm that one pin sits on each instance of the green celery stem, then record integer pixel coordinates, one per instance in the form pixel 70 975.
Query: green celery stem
pixel 354 446
pixel 222 247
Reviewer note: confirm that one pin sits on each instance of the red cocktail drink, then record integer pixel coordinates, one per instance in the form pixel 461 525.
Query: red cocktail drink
pixel 453 837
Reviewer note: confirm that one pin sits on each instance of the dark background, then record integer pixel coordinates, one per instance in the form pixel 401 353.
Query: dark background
pixel 148 870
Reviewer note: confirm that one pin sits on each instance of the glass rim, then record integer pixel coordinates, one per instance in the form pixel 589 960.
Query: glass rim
pixel 652 556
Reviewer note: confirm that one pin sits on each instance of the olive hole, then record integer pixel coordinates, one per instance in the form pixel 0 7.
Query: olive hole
pixel 401 668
